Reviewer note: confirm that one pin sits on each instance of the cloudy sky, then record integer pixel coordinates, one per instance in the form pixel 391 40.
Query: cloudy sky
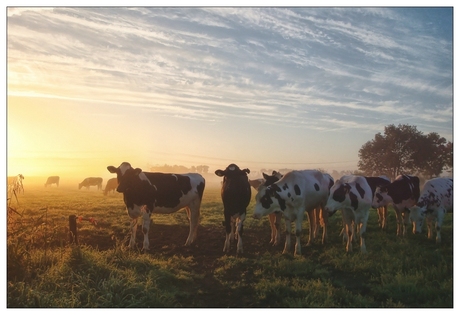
pixel 262 87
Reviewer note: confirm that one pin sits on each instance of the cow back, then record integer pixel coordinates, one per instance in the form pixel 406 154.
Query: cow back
pixel 171 187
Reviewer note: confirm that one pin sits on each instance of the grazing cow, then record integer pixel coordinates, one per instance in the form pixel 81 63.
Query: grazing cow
pixel 436 198
pixel 295 193
pixel 91 181
pixel 403 193
pixel 15 183
pixel 146 193
pixel 236 194
pixel 52 180
pixel 375 182
pixel 111 185
pixel 353 195
pixel 273 218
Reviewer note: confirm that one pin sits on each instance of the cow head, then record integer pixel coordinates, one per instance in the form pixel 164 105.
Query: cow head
pixel 129 178
pixel 338 193
pixel 231 170
pixel 417 216
pixel 271 179
pixel 381 197
pixel 268 200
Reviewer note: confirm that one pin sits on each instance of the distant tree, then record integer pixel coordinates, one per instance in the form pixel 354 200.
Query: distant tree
pixel 404 150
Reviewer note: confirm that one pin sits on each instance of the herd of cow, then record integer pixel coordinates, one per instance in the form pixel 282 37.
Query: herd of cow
pixel 286 196
pixel 289 196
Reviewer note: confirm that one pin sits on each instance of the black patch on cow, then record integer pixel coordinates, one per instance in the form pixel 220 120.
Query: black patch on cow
pixel 285 186
pixel 354 200
pixel 316 187
pixel 331 183
pixel 375 182
pixel 170 188
pixel 297 190
pixel 200 189
pixel 339 194
pixel 266 200
pixel 360 190
pixel 289 195
pixel 404 188
pixel 379 197
pixel 281 201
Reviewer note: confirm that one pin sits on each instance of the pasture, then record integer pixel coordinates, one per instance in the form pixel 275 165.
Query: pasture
pixel 45 270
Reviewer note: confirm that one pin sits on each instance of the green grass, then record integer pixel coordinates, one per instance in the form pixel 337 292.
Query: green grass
pixel 45 270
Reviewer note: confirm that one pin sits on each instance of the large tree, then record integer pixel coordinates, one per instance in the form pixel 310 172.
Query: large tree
pixel 405 150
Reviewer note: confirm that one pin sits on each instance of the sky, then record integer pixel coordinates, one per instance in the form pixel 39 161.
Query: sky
pixel 262 87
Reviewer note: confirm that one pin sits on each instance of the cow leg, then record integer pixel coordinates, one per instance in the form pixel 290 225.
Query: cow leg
pixel 399 221
pixel 193 214
pixel 287 243
pixel 385 217
pixel 228 230
pixel 133 227
pixel 145 229
pixel 405 220
pixel 298 233
pixel 348 229
pixel 311 220
pixel 272 220
pixel 278 228
pixel 323 222
pixel 362 223
pixel 239 231
pixel 438 224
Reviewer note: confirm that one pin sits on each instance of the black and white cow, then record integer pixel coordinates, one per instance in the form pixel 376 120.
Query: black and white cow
pixel 375 182
pixel 295 193
pixel 236 194
pixel 52 180
pixel 145 193
pixel 273 218
pixel 436 198
pixel 353 195
pixel 91 181
pixel 403 193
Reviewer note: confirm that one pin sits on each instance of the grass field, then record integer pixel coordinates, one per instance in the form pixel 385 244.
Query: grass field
pixel 45 270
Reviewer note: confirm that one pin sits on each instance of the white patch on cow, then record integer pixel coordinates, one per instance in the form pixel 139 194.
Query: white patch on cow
pixel 436 198
pixel 352 216
pixel 124 167
pixel 295 204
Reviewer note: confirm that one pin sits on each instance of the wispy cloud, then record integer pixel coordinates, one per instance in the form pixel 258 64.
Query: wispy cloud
pixel 275 65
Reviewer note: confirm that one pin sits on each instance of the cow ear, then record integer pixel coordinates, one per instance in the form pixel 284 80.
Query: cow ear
pixel 112 169
pixel 247 170
pixel 137 171
pixel 265 176
pixel 219 173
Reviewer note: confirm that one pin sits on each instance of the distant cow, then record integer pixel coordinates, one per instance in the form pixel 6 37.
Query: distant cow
pixel 295 193
pixel 375 182
pixel 91 181
pixel 236 194
pixel 15 183
pixel 111 185
pixel 52 180
pixel 146 193
pixel 403 193
pixel 436 198
pixel 275 217
pixel 353 195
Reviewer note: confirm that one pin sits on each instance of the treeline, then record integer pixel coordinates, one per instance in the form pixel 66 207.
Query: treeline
pixel 180 169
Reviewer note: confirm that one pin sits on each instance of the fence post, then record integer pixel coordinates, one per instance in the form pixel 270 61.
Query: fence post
pixel 73 229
